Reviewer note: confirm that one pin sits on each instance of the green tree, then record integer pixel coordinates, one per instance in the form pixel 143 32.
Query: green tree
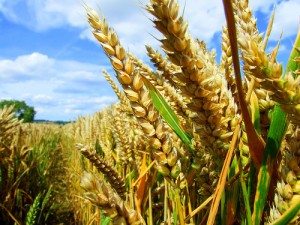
pixel 21 109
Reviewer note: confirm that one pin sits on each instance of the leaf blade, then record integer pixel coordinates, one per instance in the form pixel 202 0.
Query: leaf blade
pixel 276 133
pixel 168 114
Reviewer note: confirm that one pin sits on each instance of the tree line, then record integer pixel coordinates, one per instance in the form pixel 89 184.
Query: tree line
pixel 21 109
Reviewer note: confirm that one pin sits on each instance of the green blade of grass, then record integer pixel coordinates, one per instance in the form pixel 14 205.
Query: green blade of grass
pixel 292 64
pixel 244 192
pixel 174 208
pixel 251 179
pixel 44 202
pixel 288 215
pixel 10 214
pixel 19 178
pixel 104 220
pixel 167 113
pixel 275 135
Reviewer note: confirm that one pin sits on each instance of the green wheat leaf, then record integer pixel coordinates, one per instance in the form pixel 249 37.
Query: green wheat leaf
pixel 167 113
pixel 276 133
pixel 288 215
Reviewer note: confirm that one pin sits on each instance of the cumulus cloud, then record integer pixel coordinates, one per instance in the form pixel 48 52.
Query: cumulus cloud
pixel 264 6
pixel 70 108
pixel 25 67
pixel 82 76
pixel 37 66
pixel 41 15
pixel 42 98
pixel 132 23
pixel 55 87
pixel 58 107
pixel 130 20
pixel 87 34
pixel 85 105
pixel 205 18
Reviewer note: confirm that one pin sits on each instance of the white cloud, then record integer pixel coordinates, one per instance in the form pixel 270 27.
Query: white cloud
pixel 39 66
pixel 87 34
pixel 135 29
pixel 82 76
pixel 40 110
pixel 283 49
pixel 41 15
pixel 70 111
pixel 287 19
pixel 205 18
pixel 127 17
pixel 86 105
pixel 25 67
pixel 58 107
pixel 132 23
pixel 264 6
pixel 130 20
pixel 42 99
pixel 55 87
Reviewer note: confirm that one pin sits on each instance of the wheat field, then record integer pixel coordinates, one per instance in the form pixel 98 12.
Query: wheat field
pixel 190 141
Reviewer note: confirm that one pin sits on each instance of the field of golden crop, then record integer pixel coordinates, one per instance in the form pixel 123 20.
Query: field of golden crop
pixel 190 142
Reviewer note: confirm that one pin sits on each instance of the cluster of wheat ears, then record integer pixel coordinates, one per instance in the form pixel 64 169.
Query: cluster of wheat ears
pixel 194 132
pixel 192 141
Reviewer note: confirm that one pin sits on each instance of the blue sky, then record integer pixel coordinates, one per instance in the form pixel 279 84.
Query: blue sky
pixel 49 59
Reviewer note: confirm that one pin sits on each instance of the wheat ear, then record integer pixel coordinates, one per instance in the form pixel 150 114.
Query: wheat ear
pixel 136 91
pixel 100 194
pixel 111 174
pixel 267 71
